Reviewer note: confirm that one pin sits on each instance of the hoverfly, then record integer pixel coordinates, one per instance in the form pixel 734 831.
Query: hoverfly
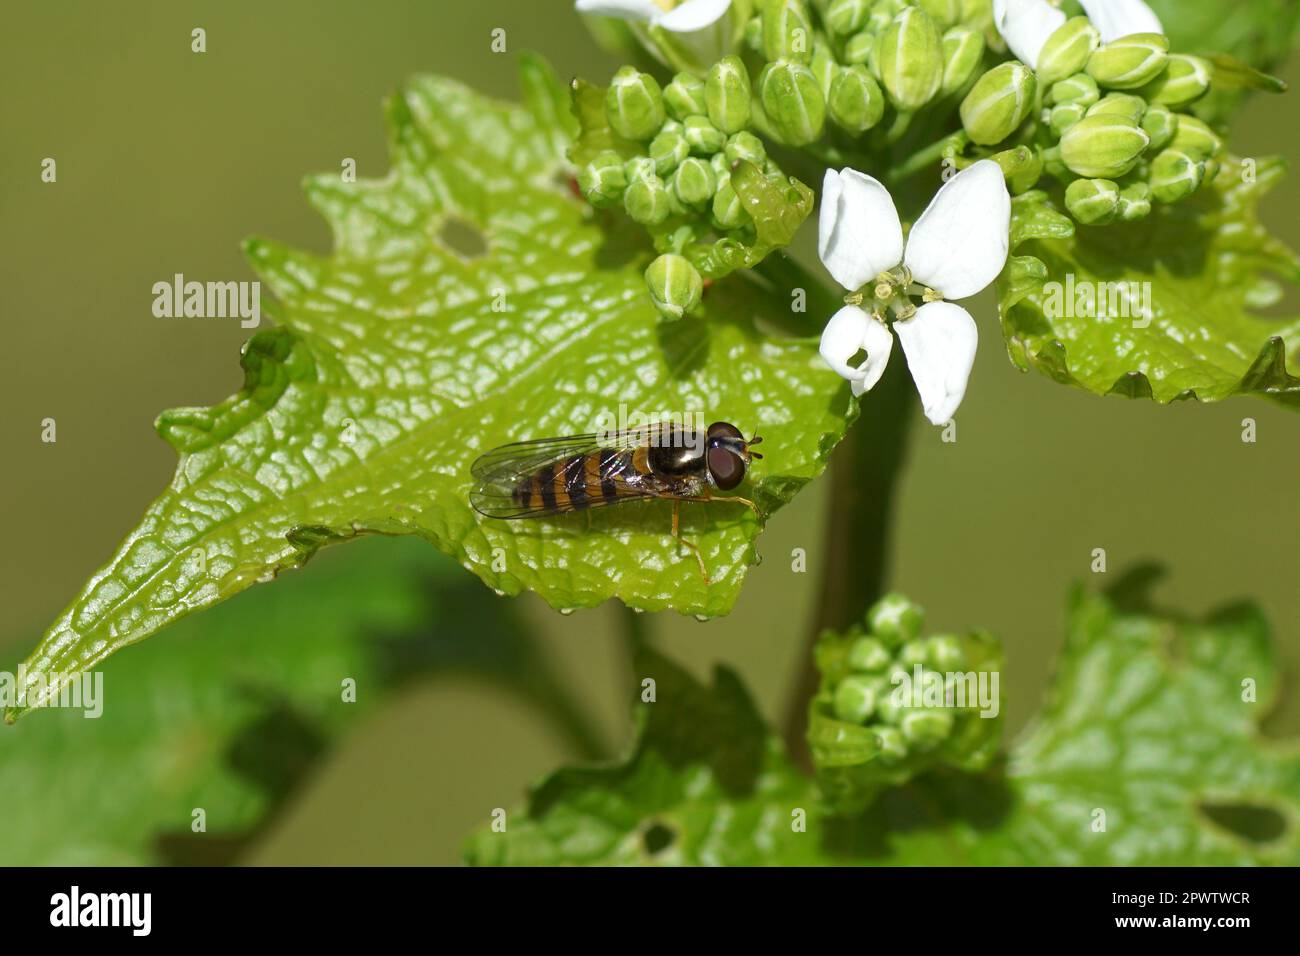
pixel 551 476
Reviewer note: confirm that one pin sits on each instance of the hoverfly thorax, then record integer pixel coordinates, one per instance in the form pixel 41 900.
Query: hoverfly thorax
pixel 727 454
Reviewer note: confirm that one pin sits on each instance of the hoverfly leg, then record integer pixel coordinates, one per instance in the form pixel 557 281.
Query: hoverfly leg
pixel 748 504
pixel 677 533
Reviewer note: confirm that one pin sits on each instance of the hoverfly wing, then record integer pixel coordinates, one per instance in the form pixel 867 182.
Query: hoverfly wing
pixel 523 457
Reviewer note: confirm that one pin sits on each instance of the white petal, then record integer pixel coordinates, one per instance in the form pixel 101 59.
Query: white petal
pixel 850 330
pixel 859 234
pixel 959 245
pixel 694 15
pixel 1026 25
pixel 1119 18
pixel 623 9
pixel 939 342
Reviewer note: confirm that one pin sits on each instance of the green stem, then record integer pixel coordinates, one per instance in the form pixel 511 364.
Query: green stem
pixel 863 473
pixel 925 157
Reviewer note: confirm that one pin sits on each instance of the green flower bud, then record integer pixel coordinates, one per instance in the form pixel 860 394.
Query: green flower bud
pixel 963 50
pixel 1092 202
pixel 1119 104
pixel 1054 166
pixel 1195 138
pixel 684 96
pixel 926 728
pixel 753 35
pixel 1067 50
pixel 1212 167
pixel 909 58
pixel 639 167
pixel 860 48
pixel 1185 80
pixel 728 210
pixel 824 67
pixel 727 96
pixel 912 654
pixel 792 102
pixel 703 137
pixel 1161 124
pixel 694 182
pixel 846 17
pixel 634 104
pixel 603 180
pixel 855 699
pixel 944 13
pixel 998 103
pixel 721 167
pixel 856 102
pixel 1135 202
pixel 945 652
pixel 1064 116
pixel 1129 62
pixel 675 286
pixel 1103 147
pixel 888 709
pixel 895 619
pixel 1080 88
pixel 868 655
pixel 646 200
pixel 745 145
pixel 787 32
pixel 667 150
pixel 893 747
pixel 1175 175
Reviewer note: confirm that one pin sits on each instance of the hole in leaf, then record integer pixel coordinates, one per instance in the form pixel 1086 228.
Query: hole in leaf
pixel 462 238
pixel 657 838
pixel 1249 821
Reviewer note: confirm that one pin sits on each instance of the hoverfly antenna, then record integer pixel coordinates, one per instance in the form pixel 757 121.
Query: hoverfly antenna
pixel 751 443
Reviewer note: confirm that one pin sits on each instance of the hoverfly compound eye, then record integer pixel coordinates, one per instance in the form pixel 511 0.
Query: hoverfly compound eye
pixel 723 430
pixel 726 467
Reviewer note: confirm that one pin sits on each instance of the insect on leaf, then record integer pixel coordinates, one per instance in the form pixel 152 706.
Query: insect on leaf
pixel 471 300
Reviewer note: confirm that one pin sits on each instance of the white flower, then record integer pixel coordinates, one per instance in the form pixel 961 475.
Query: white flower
pixel 957 248
pixel 1026 24
pixel 701 34
pixel 1120 18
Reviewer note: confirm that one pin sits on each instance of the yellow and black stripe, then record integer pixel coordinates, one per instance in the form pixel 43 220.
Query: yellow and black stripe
pixel 581 481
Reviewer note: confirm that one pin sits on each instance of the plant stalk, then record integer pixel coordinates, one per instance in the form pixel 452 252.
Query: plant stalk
pixel 864 475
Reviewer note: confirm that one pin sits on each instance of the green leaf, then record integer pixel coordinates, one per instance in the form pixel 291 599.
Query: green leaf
pixel 234 710
pixel 1208 265
pixel 1152 720
pixel 471 300
pixel 704 785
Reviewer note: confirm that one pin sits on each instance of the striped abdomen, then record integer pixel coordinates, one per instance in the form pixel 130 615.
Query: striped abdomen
pixel 582 481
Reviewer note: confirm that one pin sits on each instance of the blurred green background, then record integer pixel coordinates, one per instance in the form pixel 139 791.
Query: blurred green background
pixel 167 159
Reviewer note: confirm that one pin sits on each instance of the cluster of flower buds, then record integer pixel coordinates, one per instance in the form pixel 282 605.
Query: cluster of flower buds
pixel 671 153
pixel 859 64
pixel 888 706
pixel 1111 121
pixel 670 166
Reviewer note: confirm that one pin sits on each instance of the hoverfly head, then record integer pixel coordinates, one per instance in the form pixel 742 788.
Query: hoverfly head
pixel 727 454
